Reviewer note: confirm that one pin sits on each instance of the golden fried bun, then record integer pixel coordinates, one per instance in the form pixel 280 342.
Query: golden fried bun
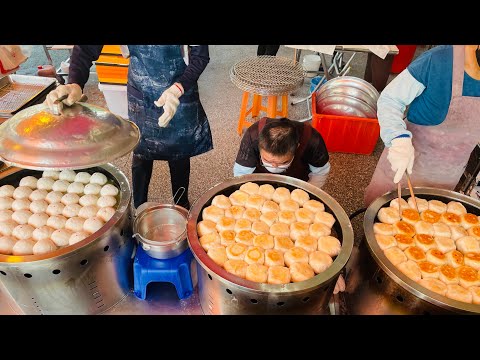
pixel 319 229
pixel 242 224
pixel 299 229
pixel 235 212
pixel 415 253
pixel 205 227
pixel 274 258
pixel 457 232
pixel 254 255
pixel 411 269
pixel 283 243
pixel 448 274
pixel 278 275
pixel 287 217
pixel 330 245
pixel 236 267
pixel 401 227
pixel 441 229
pixel 252 214
pixel 209 240
pixel 404 241
pixel 472 259
pixel 388 215
pixel 428 269
pixel 259 227
pixel 300 196
pixel 221 201
pixel 257 273
pixel 213 213
pixel 218 254
pixel 225 223
pixel 325 218
pixel 469 220
pixel 270 205
pixel 314 206
pixel 467 244
pixel 395 255
pixel 423 227
pixel 475 291
pixel 430 216
pixel 266 190
pixel 456 292
pixel 410 216
pixel 319 261
pixel 236 251
pixel 473 231
pixel 434 285
pixel 385 241
pixel 269 218
pixel 425 242
pixel 456 208
pixel 255 202
pixel 301 271
pixel 468 276
pixel 227 237
pixel 444 244
pixel 307 242
pixel 454 258
pixel 280 229
pixel 264 241
pixel 289 205
pixel 450 219
pixel 436 257
pixel 437 206
pixel 384 229
pixel 403 204
pixel 250 188
pixel 238 198
pixel 422 204
pixel 305 215
pixel 245 237
pixel 281 194
pixel 294 255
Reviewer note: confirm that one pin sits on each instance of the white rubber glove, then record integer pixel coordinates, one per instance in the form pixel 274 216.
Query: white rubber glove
pixel 340 285
pixel 74 92
pixel 401 156
pixel 169 101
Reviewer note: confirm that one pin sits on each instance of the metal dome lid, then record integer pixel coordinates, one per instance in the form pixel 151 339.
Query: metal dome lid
pixel 82 136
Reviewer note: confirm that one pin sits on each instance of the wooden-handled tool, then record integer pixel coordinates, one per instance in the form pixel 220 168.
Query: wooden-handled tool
pixel 410 187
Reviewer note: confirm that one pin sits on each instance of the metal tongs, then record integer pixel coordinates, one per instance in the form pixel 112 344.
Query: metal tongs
pixel 57 109
pixel 410 188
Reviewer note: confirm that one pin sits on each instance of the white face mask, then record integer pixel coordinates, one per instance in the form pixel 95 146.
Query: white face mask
pixel 276 170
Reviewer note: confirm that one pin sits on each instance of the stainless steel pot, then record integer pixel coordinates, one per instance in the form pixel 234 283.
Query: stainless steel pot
pixel 224 293
pixel 88 277
pixel 375 286
pixel 162 230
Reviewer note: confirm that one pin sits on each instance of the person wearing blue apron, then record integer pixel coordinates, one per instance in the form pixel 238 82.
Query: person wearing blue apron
pixel 163 101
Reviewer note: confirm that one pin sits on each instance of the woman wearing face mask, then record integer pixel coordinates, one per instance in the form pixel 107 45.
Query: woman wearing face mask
pixel 433 142
pixel 282 146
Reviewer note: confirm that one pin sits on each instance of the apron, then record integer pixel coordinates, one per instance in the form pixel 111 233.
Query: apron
pixel 152 70
pixel 441 151
pixel 297 169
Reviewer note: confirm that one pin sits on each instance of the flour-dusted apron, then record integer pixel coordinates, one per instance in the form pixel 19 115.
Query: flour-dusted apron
pixel 152 70
pixel 441 151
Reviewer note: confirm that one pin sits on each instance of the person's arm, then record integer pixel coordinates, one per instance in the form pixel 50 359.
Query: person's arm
pixel 247 156
pixel 316 155
pixel 318 175
pixel 392 103
pixel 81 62
pixel 198 60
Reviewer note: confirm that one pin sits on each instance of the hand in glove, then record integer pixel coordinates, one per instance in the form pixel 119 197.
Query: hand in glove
pixel 340 285
pixel 401 156
pixel 169 101
pixel 74 92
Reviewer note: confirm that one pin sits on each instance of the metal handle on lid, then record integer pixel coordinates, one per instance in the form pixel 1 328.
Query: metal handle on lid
pixel 175 195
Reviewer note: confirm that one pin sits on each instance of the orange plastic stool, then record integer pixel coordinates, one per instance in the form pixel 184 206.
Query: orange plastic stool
pixel 270 110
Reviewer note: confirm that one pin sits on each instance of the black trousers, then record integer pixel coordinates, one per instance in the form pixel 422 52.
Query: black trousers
pixel 142 173
pixel 267 50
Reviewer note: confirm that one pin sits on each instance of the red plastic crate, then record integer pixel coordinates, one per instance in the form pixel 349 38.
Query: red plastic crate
pixel 346 134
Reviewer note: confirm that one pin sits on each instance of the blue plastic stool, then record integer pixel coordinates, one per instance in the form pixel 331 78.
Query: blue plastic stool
pixel 175 270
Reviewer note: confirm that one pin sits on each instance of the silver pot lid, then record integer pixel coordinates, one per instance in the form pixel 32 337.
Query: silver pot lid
pixel 82 136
